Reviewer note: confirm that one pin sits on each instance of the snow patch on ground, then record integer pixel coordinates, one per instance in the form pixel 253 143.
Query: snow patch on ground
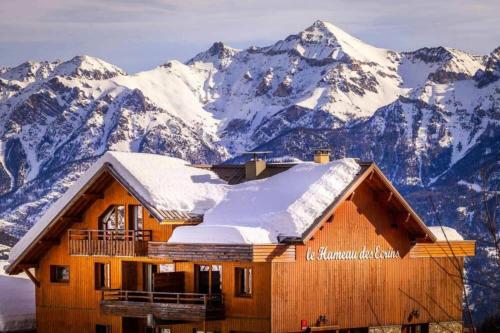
pixel 471 186
pixel 17 302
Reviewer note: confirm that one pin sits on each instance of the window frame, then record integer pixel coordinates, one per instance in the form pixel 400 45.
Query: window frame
pixel 242 274
pixel 135 213
pixel 53 269
pixel 102 276
pixel 104 225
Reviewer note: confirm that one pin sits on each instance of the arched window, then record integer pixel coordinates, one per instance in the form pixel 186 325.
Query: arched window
pixel 113 218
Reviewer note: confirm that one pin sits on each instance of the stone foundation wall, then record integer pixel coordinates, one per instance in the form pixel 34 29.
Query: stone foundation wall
pixel 385 329
pixel 442 327
pixel 446 327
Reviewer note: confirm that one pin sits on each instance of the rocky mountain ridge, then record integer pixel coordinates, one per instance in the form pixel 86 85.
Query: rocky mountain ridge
pixel 430 118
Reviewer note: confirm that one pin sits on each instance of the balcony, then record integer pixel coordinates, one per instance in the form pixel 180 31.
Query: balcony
pixel 163 305
pixel 122 243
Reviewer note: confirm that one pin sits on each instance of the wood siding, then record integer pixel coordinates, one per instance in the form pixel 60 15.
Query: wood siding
pixel 443 249
pixel 75 306
pixel 369 292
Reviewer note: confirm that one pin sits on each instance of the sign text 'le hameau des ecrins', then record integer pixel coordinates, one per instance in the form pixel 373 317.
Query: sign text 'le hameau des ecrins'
pixel 323 253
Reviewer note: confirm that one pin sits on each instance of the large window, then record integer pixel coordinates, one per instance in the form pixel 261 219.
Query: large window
pixel 243 281
pixel 135 217
pixel 208 279
pixel 113 218
pixel 59 274
pixel 102 275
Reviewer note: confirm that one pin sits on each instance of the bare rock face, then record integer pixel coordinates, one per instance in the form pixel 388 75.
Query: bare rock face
pixel 430 118
pixel 491 73
pixel 265 84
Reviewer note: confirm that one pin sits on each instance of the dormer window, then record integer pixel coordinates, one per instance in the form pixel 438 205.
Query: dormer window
pixel 113 218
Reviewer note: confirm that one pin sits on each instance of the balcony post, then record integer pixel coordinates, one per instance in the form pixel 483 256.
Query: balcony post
pixel 89 241
pixel 133 243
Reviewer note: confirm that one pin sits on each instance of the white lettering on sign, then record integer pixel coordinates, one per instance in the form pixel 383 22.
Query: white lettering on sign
pixel 323 253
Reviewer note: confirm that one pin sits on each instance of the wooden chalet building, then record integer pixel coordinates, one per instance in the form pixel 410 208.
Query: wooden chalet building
pixel 147 243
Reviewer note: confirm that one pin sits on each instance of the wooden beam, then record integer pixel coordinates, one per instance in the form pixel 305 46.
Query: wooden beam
pixel 351 196
pixel 92 196
pixel 71 219
pixel 389 198
pixel 423 239
pixel 407 218
pixel 31 277
pixel 50 241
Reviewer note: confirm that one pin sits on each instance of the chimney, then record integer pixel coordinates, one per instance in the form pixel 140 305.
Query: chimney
pixel 255 166
pixel 322 156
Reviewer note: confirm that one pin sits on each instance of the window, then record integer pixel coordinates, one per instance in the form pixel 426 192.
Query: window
pixel 102 328
pixel 243 283
pixel 102 274
pixel 208 279
pixel 149 270
pixel 113 218
pixel 135 217
pixel 166 268
pixel 59 274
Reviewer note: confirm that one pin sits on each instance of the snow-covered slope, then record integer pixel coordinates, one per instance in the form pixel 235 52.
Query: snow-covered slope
pixel 58 116
pixel 430 118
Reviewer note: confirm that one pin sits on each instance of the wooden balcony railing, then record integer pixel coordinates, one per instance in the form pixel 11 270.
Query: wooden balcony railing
pixel 163 305
pixel 124 243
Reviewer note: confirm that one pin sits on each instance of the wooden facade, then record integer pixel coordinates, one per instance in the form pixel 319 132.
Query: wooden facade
pixel 328 282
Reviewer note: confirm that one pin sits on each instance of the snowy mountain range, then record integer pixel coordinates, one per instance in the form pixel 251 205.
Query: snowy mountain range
pixel 430 118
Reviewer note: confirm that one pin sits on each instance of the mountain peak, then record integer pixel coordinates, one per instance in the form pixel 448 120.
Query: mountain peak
pixel 219 53
pixel 28 71
pixel 324 42
pixel 88 67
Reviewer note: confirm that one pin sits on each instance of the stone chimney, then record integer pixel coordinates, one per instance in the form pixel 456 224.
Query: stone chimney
pixel 255 166
pixel 322 156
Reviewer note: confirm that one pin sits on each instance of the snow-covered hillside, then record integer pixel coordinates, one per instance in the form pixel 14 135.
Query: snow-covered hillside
pixel 430 118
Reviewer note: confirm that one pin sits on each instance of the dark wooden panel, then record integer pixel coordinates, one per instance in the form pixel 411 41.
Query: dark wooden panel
pixel 200 252
pixel 172 282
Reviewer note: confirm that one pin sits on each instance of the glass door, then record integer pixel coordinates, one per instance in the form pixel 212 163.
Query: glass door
pixel 208 279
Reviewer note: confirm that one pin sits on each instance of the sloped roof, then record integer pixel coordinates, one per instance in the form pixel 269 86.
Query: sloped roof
pixel 261 211
pixel 287 207
pixel 167 186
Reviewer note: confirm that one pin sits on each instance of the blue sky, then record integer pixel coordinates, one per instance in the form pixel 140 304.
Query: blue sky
pixel 138 35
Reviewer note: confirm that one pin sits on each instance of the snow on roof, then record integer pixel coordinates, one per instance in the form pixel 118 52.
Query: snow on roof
pixel 287 204
pixel 444 234
pixel 17 303
pixel 165 183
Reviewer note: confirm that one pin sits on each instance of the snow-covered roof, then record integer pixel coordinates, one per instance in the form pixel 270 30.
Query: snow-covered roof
pixel 286 205
pixel 164 183
pixel 444 234
pixel 17 303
